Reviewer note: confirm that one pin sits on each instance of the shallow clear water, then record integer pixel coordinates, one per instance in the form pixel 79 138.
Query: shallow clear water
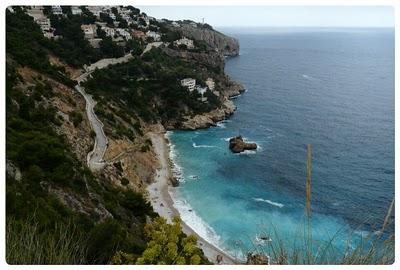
pixel 333 89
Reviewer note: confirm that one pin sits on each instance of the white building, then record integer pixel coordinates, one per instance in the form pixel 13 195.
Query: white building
pixel 96 10
pixel 90 30
pixel 48 35
pixel 95 42
pixel 189 83
pixel 210 84
pixel 184 41
pixel 175 24
pixel 44 24
pixel 156 36
pixel 57 10
pixel 36 12
pixel 201 90
pixel 112 15
pixel 109 31
pixel 122 32
pixel 76 10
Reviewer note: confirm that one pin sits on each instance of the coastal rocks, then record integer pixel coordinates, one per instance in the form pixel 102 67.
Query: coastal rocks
pixel 257 259
pixel 13 171
pixel 209 119
pixel 238 145
pixel 233 89
pixel 174 181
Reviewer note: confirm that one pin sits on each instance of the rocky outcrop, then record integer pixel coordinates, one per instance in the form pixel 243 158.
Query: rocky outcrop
pixel 233 89
pixel 257 259
pixel 174 181
pixel 208 59
pixel 209 119
pixel 238 145
pixel 226 46
pixel 85 205
pixel 13 171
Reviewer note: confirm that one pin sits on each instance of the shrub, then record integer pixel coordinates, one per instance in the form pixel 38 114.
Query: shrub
pixel 76 118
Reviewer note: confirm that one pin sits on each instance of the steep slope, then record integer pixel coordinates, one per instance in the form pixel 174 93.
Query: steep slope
pixel 50 134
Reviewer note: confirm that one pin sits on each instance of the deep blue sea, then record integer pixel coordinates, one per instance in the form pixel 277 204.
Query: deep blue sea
pixel 331 88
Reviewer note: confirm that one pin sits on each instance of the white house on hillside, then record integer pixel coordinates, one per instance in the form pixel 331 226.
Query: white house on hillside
pixel 76 10
pixel 44 24
pixel 122 32
pixel 156 36
pixel 109 31
pixel 184 41
pixel 57 10
pixel 189 83
pixel 210 84
pixel 89 30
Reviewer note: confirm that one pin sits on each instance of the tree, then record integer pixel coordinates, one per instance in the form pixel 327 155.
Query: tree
pixel 123 24
pixel 167 244
pixel 133 10
pixel 134 46
pixel 110 49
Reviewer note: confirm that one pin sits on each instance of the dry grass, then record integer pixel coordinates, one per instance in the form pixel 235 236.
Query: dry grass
pixel 26 243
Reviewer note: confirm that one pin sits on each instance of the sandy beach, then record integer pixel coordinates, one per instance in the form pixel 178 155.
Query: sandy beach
pixel 163 204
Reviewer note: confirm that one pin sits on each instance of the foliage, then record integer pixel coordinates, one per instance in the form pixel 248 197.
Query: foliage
pixel 26 44
pixel 160 96
pixel 76 118
pixel 171 36
pixel 110 49
pixel 45 160
pixel 73 48
pixel 167 244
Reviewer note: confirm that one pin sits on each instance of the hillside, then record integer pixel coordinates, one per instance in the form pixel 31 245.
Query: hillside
pixel 49 135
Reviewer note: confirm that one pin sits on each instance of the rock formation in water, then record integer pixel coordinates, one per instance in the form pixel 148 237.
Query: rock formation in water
pixel 237 145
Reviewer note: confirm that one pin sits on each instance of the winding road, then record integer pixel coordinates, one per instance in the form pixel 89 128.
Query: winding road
pixel 95 157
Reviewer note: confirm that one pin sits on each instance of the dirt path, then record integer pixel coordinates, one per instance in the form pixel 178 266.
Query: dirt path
pixel 95 157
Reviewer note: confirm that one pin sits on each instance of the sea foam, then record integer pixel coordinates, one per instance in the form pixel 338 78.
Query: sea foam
pixel 280 205
pixel 190 217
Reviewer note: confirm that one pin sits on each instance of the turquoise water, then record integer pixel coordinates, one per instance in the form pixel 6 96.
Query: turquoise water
pixel 332 89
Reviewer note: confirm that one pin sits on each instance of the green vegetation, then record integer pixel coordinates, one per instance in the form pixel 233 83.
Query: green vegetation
pixel 39 226
pixel 26 44
pixel 76 118
pixel 151 88
pixel 167 244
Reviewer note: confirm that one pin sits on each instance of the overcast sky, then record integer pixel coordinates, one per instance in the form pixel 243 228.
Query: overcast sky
pixel 278 16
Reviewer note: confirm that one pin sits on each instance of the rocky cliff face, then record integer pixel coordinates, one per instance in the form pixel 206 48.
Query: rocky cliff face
pixel 209 59
pixel 226 46
pixel 209 119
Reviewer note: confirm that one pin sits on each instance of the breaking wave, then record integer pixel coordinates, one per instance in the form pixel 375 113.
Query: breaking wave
pixel 280 205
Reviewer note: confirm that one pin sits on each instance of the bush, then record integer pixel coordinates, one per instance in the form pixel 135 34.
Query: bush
pixel 124 181
pixel 168 245
pixel 76 118
pixel 104 241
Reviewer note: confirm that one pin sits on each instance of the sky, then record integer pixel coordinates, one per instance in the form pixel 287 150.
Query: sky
pixel 279 16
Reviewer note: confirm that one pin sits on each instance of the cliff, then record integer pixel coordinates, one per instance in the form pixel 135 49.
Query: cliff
pixel 227 46
pixel 210 59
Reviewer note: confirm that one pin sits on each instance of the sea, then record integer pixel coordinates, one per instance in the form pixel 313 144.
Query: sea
pixel 332 88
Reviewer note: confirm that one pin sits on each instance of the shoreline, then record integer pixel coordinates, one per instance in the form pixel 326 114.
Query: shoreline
pixel 163 202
